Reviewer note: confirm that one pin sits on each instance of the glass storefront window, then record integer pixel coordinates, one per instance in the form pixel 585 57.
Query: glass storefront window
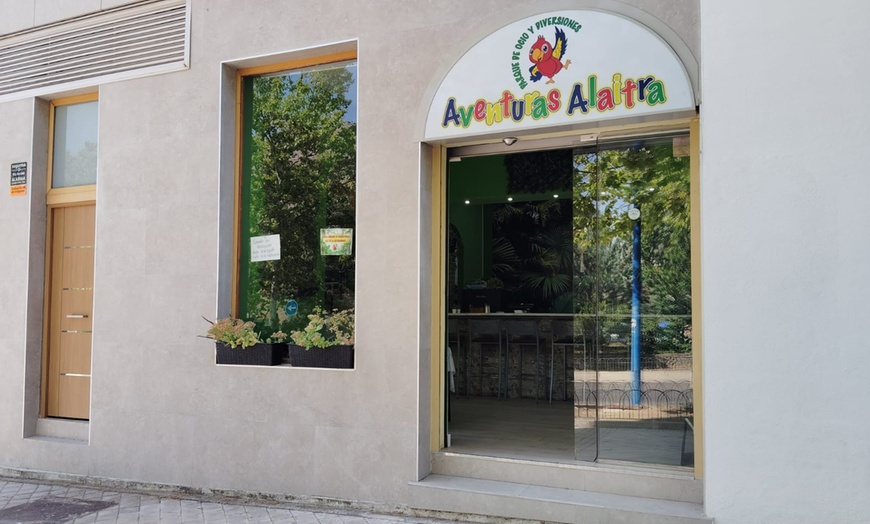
pixel 298 209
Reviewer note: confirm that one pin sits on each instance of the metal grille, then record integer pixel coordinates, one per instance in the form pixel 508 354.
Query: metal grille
pixel 134 40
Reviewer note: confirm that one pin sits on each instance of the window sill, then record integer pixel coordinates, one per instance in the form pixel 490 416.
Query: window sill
pixel 281 366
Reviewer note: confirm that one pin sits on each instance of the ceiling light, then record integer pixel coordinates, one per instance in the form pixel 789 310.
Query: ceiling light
pixel 468 201
pixel 555 196
pixel 510 199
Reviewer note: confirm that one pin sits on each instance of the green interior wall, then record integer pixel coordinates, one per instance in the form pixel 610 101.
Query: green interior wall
pixel 481 181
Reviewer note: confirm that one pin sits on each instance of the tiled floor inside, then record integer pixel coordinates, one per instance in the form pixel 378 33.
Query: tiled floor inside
pixel 542 431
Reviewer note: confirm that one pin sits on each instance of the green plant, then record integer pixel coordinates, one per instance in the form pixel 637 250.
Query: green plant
pixel 326 329
pixel 238 333
pixel 277 337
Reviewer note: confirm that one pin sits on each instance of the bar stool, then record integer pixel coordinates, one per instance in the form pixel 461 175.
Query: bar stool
pixel 562 334
pixel 486 332
pixel 523 333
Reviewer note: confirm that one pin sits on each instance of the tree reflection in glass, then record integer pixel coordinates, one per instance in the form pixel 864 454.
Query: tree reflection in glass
pixel 299 178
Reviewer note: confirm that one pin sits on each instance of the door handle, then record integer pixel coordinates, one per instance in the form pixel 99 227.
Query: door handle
pixel 77 315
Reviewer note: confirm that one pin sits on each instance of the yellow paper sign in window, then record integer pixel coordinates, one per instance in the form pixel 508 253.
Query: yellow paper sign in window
pixel 336 241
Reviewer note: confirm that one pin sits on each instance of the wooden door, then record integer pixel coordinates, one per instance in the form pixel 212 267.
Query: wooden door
pixel 71 302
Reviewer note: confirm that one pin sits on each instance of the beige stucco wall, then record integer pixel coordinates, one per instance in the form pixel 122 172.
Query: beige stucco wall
pixel 161 410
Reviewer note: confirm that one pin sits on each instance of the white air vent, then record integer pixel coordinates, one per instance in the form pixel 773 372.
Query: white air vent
pixel 132 41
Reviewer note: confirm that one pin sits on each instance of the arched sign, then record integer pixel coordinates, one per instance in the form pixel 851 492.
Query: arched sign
pixel 565 67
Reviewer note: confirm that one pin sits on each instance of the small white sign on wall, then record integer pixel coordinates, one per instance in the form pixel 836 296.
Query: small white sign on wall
pixel 266 247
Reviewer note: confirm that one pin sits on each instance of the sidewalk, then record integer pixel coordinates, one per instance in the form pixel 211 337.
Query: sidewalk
pixel 38 502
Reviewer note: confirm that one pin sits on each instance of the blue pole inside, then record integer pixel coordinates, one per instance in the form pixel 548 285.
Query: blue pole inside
pixel 635 314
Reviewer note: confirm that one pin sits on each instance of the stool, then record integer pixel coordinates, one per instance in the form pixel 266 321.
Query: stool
pixel 562 334
pixel 523 333
pixel 486 332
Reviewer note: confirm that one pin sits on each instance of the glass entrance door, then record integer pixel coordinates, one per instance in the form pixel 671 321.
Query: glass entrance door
pixel 569 303
pixel 632 291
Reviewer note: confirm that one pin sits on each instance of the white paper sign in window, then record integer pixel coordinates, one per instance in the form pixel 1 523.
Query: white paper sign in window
pixel 266 247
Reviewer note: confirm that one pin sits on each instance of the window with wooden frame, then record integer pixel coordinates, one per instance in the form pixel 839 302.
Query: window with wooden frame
pixel 296 211
pixel 73 144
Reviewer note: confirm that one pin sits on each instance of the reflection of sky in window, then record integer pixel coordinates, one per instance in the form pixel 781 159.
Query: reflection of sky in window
pixel 351 93
pixel 350 116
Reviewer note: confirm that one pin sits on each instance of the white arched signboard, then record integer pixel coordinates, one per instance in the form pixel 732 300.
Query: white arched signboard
pixel 565 67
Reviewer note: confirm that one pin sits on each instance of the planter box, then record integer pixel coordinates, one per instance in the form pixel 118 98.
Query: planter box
pixel 256 355
pixel 330 357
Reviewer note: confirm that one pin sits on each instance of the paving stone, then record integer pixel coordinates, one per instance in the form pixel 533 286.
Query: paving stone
pixel 305 517
pixel 326 518
pixel 353 519
pixel 116 507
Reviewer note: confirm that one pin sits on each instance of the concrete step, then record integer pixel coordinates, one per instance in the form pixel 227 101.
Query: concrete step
pixel 534 502
pixel 670 484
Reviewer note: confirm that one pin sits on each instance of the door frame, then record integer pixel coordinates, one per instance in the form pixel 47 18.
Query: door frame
pixel 54 198
pixel 489 146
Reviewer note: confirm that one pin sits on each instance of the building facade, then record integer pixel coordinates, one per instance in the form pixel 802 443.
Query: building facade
pixel 176 160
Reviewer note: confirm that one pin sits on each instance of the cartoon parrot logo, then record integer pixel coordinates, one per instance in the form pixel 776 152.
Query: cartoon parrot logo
pixel 547 57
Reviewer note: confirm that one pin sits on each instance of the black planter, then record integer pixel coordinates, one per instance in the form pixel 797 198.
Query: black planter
pixel 330 357
pixel 256 355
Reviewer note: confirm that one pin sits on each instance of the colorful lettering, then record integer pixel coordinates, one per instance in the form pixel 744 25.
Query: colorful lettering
pixel 554 100
pixel 656 93
pixel 506 97
pixel 493 114
pixel 642 85
pixel 517 110
pixel 539 109
pixel 450 113
pixel 592 89
pixel 617 89
pixel 530 100
pixel 577 101
pixel 605 99
pixel 480 110
pixel 465 115
pixel 626 93
pixel 629 90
